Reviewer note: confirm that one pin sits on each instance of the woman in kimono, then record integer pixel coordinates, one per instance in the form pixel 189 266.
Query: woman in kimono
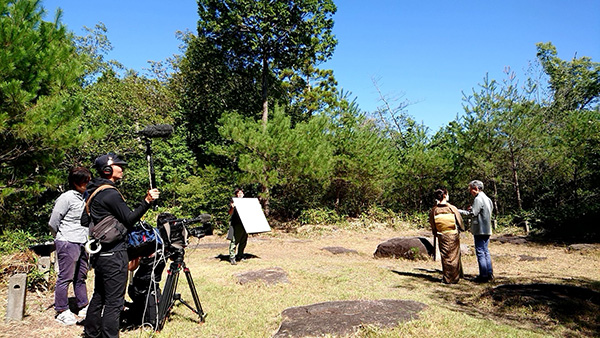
pixel 446 223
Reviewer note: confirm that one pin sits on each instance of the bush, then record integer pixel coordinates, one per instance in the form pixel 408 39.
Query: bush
pixel 15 240
pixel 378 214
pixel 418 219
pixel 319 216
pixel 209 191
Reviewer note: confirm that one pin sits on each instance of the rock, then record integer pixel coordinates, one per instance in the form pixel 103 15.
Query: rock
pixel 342 318
pixel 531 258
pixel 405 247
pixel 512 239
pixel 336 250
pixel 268 276
pixel 584 247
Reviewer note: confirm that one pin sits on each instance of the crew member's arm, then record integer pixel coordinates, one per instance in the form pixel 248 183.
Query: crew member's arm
pixel 122 212
pixel 61 207
pixel 231 207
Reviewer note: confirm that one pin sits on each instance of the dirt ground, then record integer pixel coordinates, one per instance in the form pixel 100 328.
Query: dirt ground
pixel 537 284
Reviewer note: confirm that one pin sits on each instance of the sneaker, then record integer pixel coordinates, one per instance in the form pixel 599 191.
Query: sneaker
pixel 66 318
pixel 83 312
pixel 232 261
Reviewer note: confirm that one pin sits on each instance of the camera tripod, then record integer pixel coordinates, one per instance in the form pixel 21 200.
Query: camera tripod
pixel 169 296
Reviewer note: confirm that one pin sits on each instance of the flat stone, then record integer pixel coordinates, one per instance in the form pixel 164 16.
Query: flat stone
pixel 336 250
pixel 340 318
pixel 584 247
pixel 269 276
pixel 512 239
pixel 531 258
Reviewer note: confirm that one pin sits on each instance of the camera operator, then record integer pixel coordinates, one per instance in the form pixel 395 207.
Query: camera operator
pixel 111 262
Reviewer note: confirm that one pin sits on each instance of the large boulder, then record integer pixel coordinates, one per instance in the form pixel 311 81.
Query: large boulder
pixel 405 247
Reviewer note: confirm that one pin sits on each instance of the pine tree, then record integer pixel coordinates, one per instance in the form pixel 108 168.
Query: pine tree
pixel 39 113
pixel 278 155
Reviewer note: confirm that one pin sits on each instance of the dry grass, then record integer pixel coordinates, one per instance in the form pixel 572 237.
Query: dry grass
pixel 463 310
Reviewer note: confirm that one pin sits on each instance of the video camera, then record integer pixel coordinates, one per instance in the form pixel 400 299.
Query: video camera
pixel 176 231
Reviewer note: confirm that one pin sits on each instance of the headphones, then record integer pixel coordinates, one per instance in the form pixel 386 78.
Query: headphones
pixel 107 169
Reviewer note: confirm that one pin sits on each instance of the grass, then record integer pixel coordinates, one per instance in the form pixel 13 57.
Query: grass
pixel 315 275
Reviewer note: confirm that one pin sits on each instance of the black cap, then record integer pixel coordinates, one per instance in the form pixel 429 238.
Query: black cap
pixel 108 160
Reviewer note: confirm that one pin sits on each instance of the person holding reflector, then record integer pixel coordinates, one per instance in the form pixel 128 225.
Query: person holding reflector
pixel 236 233
pixel 247 217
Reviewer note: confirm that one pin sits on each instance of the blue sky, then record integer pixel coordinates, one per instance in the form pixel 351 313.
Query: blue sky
pixel 424 52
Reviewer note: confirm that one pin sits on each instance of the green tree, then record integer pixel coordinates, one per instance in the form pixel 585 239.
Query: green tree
pixel 309 92
pixel 570 129
pixel 364 161
pixel 278 155
pixel 40 112
pixel 206 88
pixel 575 84
pixel 93 47
pixel 418 165
pixel 117 107
pixel 268 36
pixel 478 137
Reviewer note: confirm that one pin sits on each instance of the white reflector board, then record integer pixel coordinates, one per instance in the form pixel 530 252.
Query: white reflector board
pixel 251 214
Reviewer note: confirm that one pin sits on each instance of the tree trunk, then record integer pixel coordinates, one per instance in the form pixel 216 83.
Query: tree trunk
pixel 265 90
pixel 495 221
pixel 495 197
pixel 515 173
pixel 265 199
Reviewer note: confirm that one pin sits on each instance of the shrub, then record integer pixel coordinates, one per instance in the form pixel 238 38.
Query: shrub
pixel 319 216
pixel 15 240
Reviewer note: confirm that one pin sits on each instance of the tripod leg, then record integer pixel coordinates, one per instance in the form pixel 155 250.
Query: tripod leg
pixel 166 300
pixel 190 281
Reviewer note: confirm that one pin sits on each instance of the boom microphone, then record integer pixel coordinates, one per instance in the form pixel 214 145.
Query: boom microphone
pixel 157 130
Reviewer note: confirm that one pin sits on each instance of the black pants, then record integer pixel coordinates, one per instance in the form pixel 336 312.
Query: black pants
pixel 144 291
pixel 104 311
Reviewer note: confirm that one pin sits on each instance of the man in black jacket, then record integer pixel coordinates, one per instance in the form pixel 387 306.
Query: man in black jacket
pixel 110 264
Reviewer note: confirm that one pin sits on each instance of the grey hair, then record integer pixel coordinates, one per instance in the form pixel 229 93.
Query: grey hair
pixel 476 184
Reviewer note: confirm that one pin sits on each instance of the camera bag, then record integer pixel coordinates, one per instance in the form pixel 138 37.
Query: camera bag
pixel 109 229
pixel 142 241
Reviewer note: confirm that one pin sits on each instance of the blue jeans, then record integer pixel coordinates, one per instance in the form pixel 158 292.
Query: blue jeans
pixel 483 255
pixel 73 267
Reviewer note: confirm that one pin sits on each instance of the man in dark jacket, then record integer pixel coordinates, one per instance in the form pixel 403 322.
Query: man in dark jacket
pixel 110 264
